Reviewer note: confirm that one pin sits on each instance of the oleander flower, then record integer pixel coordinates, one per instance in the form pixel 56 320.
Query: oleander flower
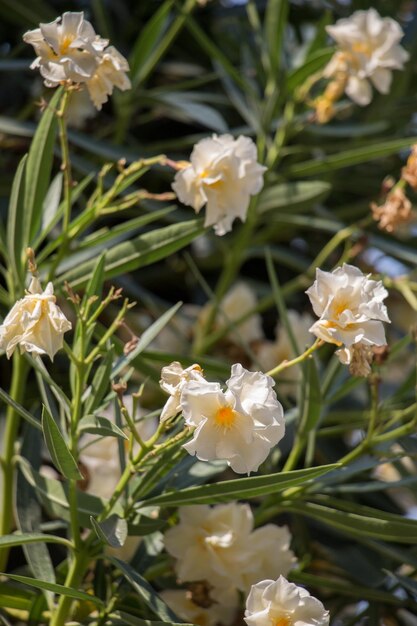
pixel 173 379
pixel 111 72
pixel 238 301
pixel 350 308
pixel 271 353
pixel 239 425
pixel 35 323
pixel 368 51
pixel 218 544
pixel 67 49
pixel 223 174
pixel 281 603
pixel 181 602
pixel 80 109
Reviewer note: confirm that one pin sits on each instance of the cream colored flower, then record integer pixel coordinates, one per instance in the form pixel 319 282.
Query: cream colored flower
pixel 218 544
pixel 111 72
pixel 271 353
pixel 223 174
pixel 350 307
pixel 238 301
pixel 368 51
pixel 173 380
pixel 281 603
pixel 80 108
pixel 67 49
pixel 182 604
pixel 239 425
pixel 35 323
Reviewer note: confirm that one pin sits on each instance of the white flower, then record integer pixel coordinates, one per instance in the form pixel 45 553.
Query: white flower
pixel 218 544
pixel 223 174
pixel 350 307
pixel 239 425
pixel 271 353
pixel 181 603
pixel 80 109
pixel 35 323
pixel 67 49
pixel 173 379
pixel 110 73
pixel 238 301
pixel 280 603
pixel 368 52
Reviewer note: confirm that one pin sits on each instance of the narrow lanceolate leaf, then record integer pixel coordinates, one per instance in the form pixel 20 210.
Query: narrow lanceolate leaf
pixel 125 619
pixel 16 220
pixel 286 197
pixel 346 158
pixel 97 425
pixel 19 409
pixel 38 168
pixel 239 488
pixel 58 449
pixel 146 592
pixel 55 588
pixel 19 539
pixel 112 530
pixel 275 21
pixel 139 252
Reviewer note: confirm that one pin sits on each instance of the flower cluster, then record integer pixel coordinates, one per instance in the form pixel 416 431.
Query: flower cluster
pixel 68 50
pixel 223 174
pixel 35 323
pixel 368 51
pixel 350 309
pixel 219 545
pixel 239 425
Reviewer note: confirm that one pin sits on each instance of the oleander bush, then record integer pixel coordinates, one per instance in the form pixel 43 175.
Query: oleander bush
pixel 208 300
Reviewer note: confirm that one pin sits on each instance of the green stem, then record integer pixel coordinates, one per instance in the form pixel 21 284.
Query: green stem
pixel 299 359
pixel 17 391
pixel 73 580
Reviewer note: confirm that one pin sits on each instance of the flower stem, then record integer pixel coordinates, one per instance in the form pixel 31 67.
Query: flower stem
pixel 12 427
pixel 299 359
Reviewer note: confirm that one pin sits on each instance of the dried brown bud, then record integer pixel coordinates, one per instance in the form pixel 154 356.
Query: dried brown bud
pixel 74 297
pixel 395 211
pixel 119 388
pixel 381 354
pixel 361 357
pixel 32 267
pixel 199 593
pixel 130 345
pixel 409 172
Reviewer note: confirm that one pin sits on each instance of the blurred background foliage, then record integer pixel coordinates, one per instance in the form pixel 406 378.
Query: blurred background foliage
pixel 229 67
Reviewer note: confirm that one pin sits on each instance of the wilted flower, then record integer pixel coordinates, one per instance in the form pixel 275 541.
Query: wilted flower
pixel 35 323
pixel 272 353
pixel 394 212
pixel 359 357
pixel 173 379
pixel 239 425
pixel 223 174
pixel 282 603
pixel 68 49
pixel 110 73
pixel 409 171
pixel 218 544
pixel 368 51
pixel 182 604
pixel 350 307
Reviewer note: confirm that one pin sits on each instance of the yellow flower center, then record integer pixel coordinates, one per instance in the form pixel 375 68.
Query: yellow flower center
pixel 225 417
pixel 65 44
pixel 340 307
pixel 281 621
pixel 215 185
pixel 362 47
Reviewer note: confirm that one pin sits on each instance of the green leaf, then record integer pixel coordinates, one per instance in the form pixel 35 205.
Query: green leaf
pixel 58 449
pixel 239 488
pixel 146 592
pixel 112 530
pixel 15 598
pixel 16 220
pixel 95 284
pixel 147 337
pixel 312 404
pixel 97 425
pixel 124 619
pixel 51 203
pixel 19 409
pixel 313 64
pixel 38 168
pixel 293 196
pixel 141 251
pixel 142 525
pixel 350 157
pixel 55 588
pixel 100 383
pixel 276 15
pixel 19 539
